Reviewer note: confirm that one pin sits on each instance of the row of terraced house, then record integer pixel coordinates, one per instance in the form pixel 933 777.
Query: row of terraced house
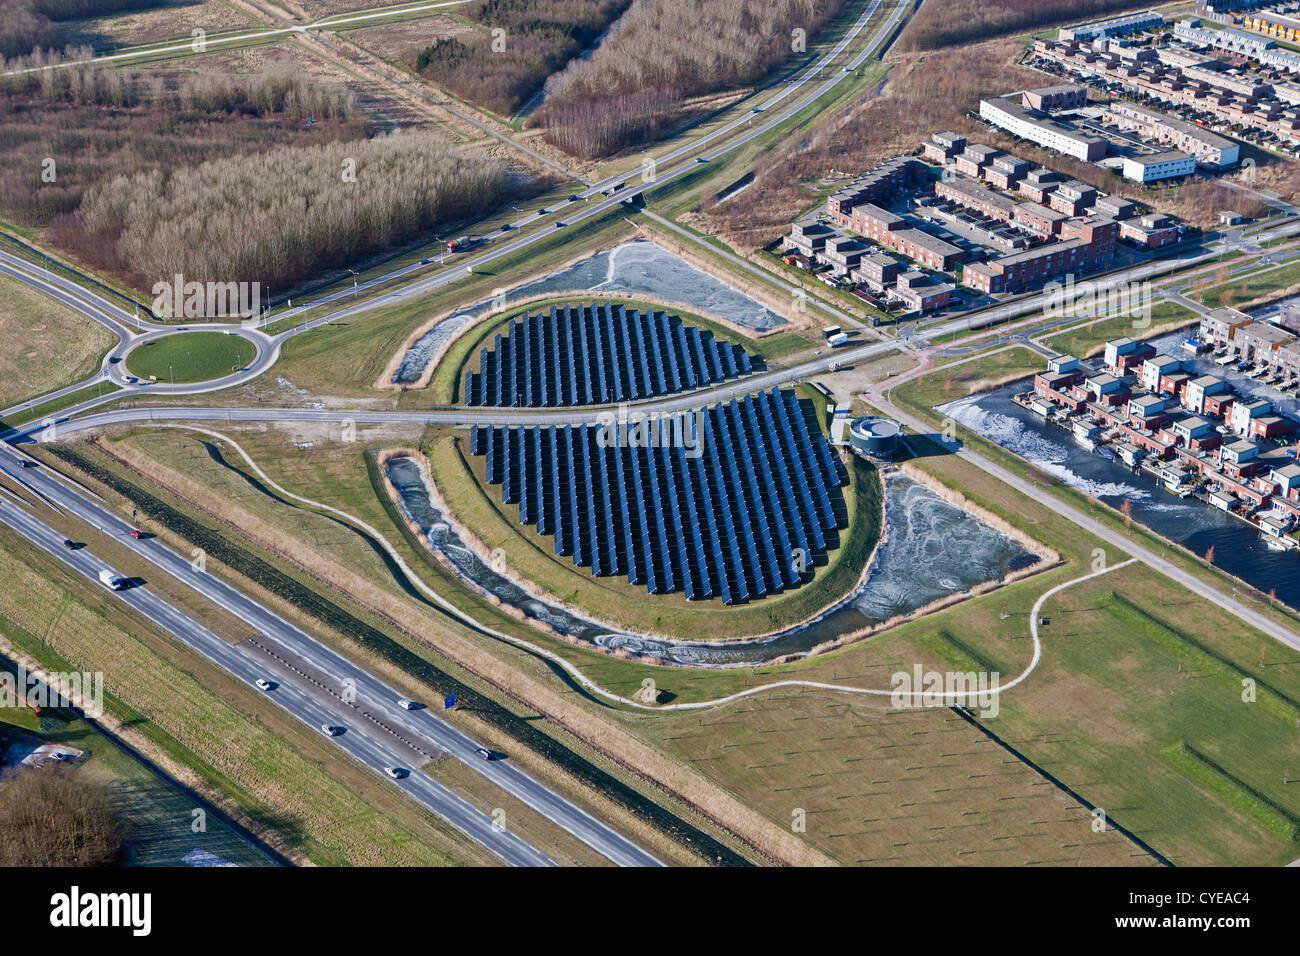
pixel 1184 426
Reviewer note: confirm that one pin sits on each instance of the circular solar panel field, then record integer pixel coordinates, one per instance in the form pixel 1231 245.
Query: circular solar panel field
pixel 598 354
pixel 731 502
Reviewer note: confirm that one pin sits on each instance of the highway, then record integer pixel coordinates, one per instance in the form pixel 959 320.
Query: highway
pixel 299 697
pixel 411 734
pixel 119 321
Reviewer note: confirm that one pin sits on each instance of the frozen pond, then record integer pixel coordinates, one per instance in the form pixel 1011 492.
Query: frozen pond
pixel 1238 548
pixel 934 549
pixel 633 268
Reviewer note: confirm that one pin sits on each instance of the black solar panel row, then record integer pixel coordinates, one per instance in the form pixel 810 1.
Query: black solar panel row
pixel 590 355
pixel 738 514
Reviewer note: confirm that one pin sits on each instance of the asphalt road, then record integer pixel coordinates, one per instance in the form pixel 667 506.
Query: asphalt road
pixel 409 734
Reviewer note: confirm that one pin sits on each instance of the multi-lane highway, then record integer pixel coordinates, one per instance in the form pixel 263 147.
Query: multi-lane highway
pixel 380 733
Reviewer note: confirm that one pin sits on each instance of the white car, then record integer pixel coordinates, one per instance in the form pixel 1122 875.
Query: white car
pixel 407 704
pixel 263 684
pixel 397 773
pixel 485 753
pixel 329 730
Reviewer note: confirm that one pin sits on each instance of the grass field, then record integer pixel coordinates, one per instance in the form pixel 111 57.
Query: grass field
pixel 159 815
pixel 1255 285
pixel 47 344
pixel 1087 339
pixel 333 564
pixel 190 357
pixel 827 745
pixel 42 410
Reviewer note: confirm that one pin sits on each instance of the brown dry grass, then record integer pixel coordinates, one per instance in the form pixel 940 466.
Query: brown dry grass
pixel 881 787
pixel 136 27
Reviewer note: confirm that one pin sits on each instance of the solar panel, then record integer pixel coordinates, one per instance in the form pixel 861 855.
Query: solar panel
pixel 724 523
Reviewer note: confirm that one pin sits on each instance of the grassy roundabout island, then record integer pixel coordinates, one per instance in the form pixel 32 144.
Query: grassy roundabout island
pixel 190 357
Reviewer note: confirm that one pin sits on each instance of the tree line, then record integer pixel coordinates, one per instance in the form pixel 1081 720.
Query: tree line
pixel 502 72
pixel 26 25
pixel 281 90
pixel 941 23
pixel 63 131
pixel 662 52
pixel 282 215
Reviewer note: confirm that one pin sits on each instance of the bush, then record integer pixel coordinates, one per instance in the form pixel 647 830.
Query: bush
pixel 280 216
pixel 54 816
pixel 540 36
pixel 663 51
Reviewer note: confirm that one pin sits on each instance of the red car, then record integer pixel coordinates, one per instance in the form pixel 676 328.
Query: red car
pixel 135 532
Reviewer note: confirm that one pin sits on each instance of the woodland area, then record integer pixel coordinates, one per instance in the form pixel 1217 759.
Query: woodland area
pixel 26 25
pixel 662 52
pixel 64 131
pixel 941 23
pixel 54 816
pixel 281 215
pixel 540 37
pixel 925 93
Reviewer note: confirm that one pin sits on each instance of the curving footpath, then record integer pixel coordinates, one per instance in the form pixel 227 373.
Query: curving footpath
pixel 571 669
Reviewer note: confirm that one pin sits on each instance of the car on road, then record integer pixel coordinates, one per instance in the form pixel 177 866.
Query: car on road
pixel 542 211
pixel 24 463
pixel 506 227
pixel 397 773
pixel 425 262
pixel 575 198
pixel 407 704
pixel 263 684
pixel 700 159
pixel 329 730
pixel 70 544
pixel 485 753
pixel 136 533
pixel 558 224
pixel 757 109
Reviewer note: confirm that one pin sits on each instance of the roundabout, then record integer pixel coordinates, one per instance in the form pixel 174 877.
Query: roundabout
pixel 189 357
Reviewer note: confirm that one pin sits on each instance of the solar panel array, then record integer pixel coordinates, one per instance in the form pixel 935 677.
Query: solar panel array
pixel 598 354
pixel 733 504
